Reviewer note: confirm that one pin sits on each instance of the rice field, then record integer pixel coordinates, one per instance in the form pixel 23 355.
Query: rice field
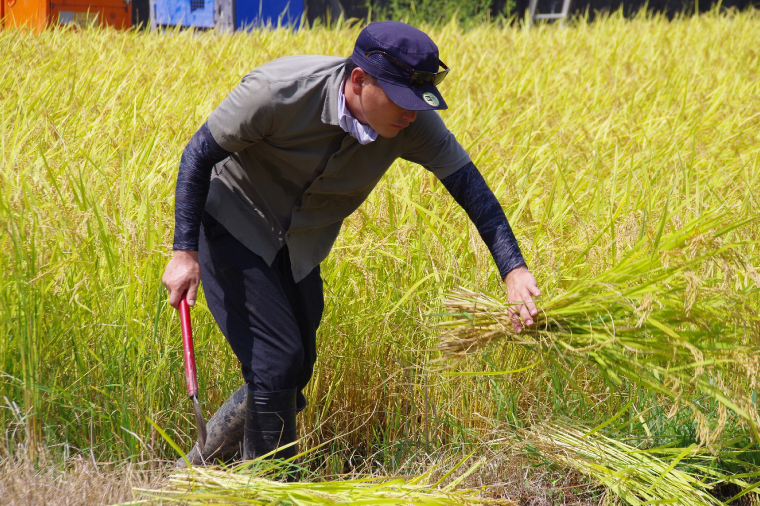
pixel 626 155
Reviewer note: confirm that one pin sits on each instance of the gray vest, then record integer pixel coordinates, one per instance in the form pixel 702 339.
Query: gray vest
pixel 294 174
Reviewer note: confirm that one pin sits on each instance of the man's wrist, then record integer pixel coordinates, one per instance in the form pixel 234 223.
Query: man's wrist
pixel 186 253
pixel 515 270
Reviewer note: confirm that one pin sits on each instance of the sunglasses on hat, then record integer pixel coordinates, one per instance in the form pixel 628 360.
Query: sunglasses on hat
pixel 418 76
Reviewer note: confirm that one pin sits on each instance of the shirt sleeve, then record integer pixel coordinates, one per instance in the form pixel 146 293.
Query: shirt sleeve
pixel 429 143
pixel 193 180
pixel 245 116
pixel 471 191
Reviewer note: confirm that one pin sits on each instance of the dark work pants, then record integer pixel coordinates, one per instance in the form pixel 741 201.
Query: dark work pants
pixel 269 320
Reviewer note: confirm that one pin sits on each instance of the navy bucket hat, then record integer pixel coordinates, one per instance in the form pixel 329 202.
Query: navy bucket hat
pixel 405 62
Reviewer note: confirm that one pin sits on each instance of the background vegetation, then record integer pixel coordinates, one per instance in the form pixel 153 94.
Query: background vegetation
pixel 435 11
pixel 598 139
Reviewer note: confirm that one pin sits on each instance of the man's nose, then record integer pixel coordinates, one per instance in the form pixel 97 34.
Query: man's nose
pixel 409 115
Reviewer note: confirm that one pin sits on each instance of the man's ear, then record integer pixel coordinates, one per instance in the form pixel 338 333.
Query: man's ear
pixel 358 77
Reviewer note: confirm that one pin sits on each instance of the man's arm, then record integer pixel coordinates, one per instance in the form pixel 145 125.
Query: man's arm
pixel 198 159
pixel 471 191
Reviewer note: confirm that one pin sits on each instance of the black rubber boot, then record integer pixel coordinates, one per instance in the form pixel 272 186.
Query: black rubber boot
pixel 270 423
pixel 224 433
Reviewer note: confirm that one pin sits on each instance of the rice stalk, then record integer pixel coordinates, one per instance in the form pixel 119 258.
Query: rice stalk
pixel 640 321
pixel 635 476
pixel 244 484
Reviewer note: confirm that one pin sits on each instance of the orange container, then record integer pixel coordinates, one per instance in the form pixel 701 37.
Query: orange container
pixel 38 14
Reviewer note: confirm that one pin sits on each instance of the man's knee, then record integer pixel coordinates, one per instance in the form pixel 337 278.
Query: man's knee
pixel 292 361
pixel 279 370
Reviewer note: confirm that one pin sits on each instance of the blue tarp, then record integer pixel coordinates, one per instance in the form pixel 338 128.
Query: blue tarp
pixel 199 13
pixel 255 13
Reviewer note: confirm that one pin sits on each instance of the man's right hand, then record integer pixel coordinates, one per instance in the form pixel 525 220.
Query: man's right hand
pixel 183 272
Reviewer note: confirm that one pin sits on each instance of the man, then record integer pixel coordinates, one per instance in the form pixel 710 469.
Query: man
pixel 263 189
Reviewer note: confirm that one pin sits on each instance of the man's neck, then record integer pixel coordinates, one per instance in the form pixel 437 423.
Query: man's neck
pixel 353 102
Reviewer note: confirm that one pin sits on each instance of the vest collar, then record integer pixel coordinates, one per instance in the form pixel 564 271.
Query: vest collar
pixel 330 114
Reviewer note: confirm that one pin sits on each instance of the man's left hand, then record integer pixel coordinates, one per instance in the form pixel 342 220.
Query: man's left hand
pixel 521 288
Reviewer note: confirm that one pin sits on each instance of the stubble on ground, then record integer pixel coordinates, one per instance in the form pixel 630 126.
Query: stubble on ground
pixel 75 482
pixel 80 481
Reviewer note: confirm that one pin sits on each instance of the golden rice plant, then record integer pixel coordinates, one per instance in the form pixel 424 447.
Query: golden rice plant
pixel 662 318
pixel 601 140
pixel 650 319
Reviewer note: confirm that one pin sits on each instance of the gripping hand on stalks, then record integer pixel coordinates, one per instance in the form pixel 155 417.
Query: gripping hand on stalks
pixel 521 288
pixel 183 272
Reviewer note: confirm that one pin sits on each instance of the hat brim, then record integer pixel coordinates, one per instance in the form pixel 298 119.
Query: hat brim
pixel 424 97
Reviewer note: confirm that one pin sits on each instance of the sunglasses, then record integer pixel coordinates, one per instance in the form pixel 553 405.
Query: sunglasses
pixel 418 76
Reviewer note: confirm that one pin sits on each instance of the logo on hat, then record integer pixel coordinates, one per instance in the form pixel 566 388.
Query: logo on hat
pixel 430 99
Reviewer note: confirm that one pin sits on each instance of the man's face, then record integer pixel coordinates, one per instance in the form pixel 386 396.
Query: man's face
pixel 379 111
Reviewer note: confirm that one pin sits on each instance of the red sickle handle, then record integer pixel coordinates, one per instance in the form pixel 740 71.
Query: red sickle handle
pixel 187 345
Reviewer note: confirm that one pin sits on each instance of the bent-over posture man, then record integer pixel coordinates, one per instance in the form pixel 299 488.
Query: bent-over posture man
pixel 263 189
